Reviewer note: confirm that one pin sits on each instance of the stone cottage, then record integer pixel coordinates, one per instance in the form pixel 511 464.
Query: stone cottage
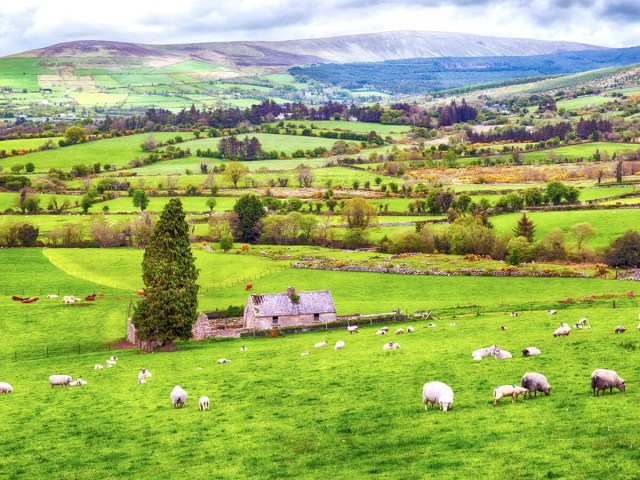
pixel 288 309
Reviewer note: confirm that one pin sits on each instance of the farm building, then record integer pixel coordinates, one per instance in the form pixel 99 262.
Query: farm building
pixel 289 309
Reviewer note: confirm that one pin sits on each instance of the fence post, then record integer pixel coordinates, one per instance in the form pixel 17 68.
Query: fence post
pixel 47 351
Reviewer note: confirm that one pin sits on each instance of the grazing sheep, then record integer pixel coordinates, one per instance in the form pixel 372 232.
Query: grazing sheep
pixel 339 345
pixel 243 348
pixel 506 390
pixel 78 382
pixel 620 329
pixel 602 379
pixel 437 392
pixel 223 360
pixel 352 329
pixel 552 312
pixel 514 314
pixel 381 332
pixel 503 327
pixel 535 382
pixel 502 354
pixel 97 366
pixel 399 331
pixel 178 397
pixel 562 331
pixel 5 387
pixel 485 352
pixel 305 353
pixel 432 325
pixel 320 344
pixel 62 380
pixel 409 329
pixel 530 352
pixel 203 403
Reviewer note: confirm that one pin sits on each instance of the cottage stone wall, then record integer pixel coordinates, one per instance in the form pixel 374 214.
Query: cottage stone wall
pixel 264 323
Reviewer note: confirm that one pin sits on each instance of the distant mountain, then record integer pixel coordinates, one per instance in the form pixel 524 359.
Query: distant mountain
pixel 374 47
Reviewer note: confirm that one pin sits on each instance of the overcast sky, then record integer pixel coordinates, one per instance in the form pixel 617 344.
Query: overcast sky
pixel 29 24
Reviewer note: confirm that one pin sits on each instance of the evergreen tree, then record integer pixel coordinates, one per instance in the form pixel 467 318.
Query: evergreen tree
pixel 525 228
pixel 250 211
pixel 169 308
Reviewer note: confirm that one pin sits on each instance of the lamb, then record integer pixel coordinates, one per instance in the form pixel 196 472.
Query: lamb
pixel 620 329
pixel 78 382
pixel 502 354
pixel 506 390
pixel 562 331
pixel 391 346
pixel 514 314
pixel 437 392
pixel 178 396
pixel 62 380
pixel 381 332
pixel 113 358
pixel 243 348
pixel 577 326
pixel 144 373
pixel 203 403
pixel 535 382
pixel 602 379
pixel 409 329
pixel 582 321
pixel 432 325
pixel 399 331
pixel 320 344
pixel 552 312
pixel 223 360
pixel 5 387
pixel 97 366
pixel 531 351
pixel 339 345
pixel 503 327
pixel 52 296
pixel 305 353
pixel 352 329
pixel 485 352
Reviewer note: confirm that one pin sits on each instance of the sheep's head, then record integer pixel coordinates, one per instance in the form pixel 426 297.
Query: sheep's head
pixel 622 386
pixel 445 406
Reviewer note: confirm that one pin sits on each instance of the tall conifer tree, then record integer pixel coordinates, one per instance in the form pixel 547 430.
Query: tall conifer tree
pixel 169 308
pixel 525 228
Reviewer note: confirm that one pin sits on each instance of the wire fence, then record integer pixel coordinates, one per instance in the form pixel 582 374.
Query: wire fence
pixel 245 280
pixel 57 350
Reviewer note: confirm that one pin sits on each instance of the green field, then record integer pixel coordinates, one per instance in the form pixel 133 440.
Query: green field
pixel 581 102
pixel 327 418
pixel 25 144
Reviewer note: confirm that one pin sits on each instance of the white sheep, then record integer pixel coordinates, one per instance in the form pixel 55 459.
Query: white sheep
pixel 506 390
pixel 399 331
pixel 203 403
pixel 437 392
pixel 61 380
pixel 97 366
pixel 144 373
pixel 305 353
pixel 178 396
pixel 223 360
pixel 502 354
pixel 78 382
pixel 243 348
pixel 381 332
pixel 485 352
pixel 409 329
pixel 453 324
pixel 552 312
pixel 339 345
pixel 113 358
pixel 620 329
pixel 562 331
pixel 503 327
pixel 514 314
pixel 391 346
pixel 535 382
pixel 141 380
pixel 531 351
pixel 5 387
pixel 432 325
pixel 320 344
pixel 52 296
pixel 352 329
pixel 601 379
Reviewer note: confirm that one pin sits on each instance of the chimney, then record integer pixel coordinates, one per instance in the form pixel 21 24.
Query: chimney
pixel 291 291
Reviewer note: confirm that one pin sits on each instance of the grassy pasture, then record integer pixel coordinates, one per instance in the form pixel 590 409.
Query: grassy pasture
pixel 584 150
pixel 327 418
pixel 116 151
pixel 610 224
pixel 359 127
pixel 25 144
pixel 581 102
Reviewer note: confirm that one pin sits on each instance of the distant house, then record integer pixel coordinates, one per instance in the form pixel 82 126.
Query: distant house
pixel 289 309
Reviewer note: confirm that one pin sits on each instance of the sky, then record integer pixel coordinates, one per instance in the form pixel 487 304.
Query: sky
pixel 30 24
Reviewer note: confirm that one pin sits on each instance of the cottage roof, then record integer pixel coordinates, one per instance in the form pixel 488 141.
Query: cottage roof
pixel 280 304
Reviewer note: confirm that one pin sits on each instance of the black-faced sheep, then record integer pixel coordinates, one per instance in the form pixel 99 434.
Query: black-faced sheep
pixel 399 331
pixel 223 360
pixel 535 382
pixel 507 390
pixel 5 387
pixel 562 331
pixel 620 329
pixel 437 392
pixel 602 379
pixel 530 352
pixel 178 397
pixel 409 329
pixel 352 329
pixel 61 380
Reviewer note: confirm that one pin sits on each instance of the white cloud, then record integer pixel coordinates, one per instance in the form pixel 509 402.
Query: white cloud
pixel 28 24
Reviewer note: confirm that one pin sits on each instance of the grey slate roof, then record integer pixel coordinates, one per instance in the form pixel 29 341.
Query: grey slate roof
pixel 279 304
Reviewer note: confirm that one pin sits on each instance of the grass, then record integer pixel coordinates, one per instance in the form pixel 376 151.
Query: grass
pixel 359 127
pixel 25 144
pixel 581 102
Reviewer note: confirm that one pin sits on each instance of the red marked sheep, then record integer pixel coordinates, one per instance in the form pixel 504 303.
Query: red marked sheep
pixel 140 293
pixel 248 286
